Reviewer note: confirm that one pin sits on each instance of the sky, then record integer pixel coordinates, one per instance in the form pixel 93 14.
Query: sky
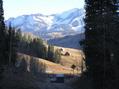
pixel 14 8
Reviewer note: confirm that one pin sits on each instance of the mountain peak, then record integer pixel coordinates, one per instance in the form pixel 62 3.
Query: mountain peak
pixel 74 9
pixel 66 23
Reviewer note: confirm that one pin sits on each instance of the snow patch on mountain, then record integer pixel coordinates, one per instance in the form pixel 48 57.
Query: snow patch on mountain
pixel 63 24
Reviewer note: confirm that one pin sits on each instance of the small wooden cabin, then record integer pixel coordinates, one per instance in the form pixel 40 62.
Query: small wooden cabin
pixel 67 54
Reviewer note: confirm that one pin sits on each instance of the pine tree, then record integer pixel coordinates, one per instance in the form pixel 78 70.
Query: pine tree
pixel 50 55
pixel 101 28
pixel 57 56
pixel 12 43
pixel 3 36
pixel 44 52
pixel 18 38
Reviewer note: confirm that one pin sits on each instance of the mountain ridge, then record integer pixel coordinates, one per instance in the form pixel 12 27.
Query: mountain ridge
pixel 45 26
pixel 70 41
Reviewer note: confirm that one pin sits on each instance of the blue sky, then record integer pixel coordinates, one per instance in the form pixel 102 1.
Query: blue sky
pixel 14 8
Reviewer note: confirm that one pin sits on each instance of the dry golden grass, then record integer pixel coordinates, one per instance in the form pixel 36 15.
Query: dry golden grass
pixel 50 67
pixel 54 68
pixel 75 57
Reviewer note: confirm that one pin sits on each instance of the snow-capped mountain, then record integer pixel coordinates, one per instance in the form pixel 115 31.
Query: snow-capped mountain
pixel 51 26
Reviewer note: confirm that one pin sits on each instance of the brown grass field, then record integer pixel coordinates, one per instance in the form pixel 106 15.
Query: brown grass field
pixel 53 68
pixel 75 57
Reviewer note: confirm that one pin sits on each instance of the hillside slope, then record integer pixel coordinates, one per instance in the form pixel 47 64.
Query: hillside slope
pixel 71 41
pixel 41 65
pixel 74 57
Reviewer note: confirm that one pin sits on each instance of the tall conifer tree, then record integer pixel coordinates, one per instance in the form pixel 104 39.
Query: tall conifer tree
pixel 101 28
pixel 3 36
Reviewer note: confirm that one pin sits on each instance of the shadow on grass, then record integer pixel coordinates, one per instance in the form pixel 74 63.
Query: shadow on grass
pixel 83 82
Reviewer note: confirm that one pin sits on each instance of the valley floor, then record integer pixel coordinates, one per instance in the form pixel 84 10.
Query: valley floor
pixel 49 85
pixel 22 77
pixel 25 80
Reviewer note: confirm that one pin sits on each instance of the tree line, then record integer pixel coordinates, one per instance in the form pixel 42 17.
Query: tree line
pixel 36 47
pixel 13 41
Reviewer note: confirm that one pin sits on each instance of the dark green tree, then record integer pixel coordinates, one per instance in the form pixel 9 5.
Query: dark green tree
pixel 44 52
pixel 50 54
pixel 39 48
pixel 57 56
pixel 18 35
pixel 101 23
pixel 3 37
pixel 12 43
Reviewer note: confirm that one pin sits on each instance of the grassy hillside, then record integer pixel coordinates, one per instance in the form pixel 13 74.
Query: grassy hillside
pixel 37 65
pixel 75 57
